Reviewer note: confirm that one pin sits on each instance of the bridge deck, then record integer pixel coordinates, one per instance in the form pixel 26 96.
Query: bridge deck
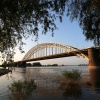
pixel 72 53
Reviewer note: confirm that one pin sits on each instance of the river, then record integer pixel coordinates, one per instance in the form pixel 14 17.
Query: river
pixel 47 80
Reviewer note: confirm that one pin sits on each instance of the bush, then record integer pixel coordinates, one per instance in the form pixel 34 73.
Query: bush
pixel 71 77
pixel 74 74
pixel 21 90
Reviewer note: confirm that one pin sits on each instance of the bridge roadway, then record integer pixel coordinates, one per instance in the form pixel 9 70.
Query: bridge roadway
pixel 66 54
pixel 91 54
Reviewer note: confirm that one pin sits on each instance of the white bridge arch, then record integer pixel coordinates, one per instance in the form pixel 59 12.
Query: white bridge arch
pixel 46 49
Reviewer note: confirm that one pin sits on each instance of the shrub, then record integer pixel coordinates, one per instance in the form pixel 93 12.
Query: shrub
pixel 21 90
pixel 74 74
pixel 71 77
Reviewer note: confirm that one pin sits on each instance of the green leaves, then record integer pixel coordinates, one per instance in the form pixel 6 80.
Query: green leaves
pixel 21 18
pixel 74 74
pixel 87 12
pixel 21 90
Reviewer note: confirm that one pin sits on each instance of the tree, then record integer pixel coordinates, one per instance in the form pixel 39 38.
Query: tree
pixel 4 64
pixel 28 64
pixel 87 12
pixel 54 64
pixel 37 64
pixel 22 18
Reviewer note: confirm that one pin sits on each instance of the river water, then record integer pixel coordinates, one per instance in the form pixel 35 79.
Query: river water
pixel 48 84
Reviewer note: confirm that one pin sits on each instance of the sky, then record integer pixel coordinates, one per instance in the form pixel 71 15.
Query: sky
pixel 68 33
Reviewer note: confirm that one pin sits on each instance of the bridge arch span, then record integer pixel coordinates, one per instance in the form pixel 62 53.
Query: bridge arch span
pixel 46 49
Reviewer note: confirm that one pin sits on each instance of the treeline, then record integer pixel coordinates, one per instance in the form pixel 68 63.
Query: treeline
pixel 39 64
pixel 34 64
pixel 83 65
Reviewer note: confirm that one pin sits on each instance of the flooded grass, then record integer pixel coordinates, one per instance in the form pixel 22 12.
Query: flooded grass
pixel 71 78
pixel 21 90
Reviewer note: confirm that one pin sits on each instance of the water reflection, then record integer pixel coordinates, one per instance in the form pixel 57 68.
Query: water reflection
pixel 32 73
pixel 73 92
pixel 95 79
pixel 48 83
pixel 21 70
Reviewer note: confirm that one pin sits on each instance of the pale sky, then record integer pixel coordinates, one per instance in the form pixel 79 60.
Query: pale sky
pixel 68 33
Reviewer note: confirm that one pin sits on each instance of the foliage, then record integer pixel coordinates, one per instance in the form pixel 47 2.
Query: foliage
pixel 87 12
pixel 28 64
pixel 4 71
pixel 4 64
pixel 7 64
pixel 21 90
pixel 70 78
pixel 54 64
pixel 74 74
pixel 22 18
pixel 37 64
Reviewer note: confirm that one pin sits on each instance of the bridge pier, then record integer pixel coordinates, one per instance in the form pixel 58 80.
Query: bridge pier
pixel 94 58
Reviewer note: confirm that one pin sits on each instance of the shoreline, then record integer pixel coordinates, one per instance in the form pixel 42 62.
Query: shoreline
pixel 4 71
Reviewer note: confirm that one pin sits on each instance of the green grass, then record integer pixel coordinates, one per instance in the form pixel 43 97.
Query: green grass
pixel 74 74
pixel 71 78
pixel 21 90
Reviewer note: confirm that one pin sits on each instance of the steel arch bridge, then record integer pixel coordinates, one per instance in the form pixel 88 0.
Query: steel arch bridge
pixel 52 49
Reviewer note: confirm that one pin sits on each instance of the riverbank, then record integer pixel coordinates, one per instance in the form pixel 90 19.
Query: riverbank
pixel 4 71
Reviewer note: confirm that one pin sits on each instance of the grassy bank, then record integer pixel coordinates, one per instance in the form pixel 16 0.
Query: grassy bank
pixel 4 71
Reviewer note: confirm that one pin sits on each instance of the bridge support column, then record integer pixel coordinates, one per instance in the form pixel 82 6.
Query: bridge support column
pixel 94 58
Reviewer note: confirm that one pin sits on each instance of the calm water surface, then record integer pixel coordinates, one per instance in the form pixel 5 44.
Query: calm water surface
pixel 48 83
